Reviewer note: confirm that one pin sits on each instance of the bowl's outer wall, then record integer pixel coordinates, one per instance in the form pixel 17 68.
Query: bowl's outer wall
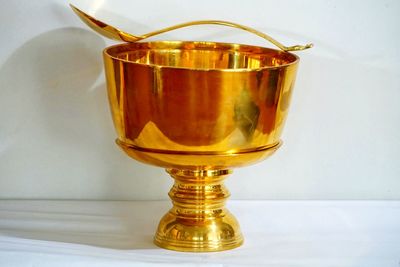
pixel 166 110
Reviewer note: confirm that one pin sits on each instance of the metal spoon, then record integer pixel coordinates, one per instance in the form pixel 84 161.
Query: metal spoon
pixel 117 34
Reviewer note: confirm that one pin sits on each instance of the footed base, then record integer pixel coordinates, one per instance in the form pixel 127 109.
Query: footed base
pixel 215 235
pixel 198 221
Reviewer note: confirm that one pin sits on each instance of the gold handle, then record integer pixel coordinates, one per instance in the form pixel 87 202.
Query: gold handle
pixel 233 25
pixel 117 34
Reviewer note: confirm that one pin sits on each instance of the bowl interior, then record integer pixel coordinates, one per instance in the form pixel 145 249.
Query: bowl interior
pixel 201 55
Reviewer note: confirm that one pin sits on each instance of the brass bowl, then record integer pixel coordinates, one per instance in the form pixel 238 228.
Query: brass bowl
pixel 198 109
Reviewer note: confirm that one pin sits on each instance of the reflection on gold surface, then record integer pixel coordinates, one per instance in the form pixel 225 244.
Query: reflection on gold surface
pixel 198 109
pixel 183 101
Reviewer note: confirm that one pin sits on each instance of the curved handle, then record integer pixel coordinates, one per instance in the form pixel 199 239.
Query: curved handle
pixel 233 25
pixel 117 34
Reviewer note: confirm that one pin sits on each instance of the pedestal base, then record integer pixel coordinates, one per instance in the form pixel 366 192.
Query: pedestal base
pixel 198 221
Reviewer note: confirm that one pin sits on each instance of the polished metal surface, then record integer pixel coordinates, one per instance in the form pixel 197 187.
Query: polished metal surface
pixel 198 109
pixel 117 34
pixel 198 220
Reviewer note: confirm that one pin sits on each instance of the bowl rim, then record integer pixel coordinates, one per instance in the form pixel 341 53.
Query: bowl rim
pixel 232 46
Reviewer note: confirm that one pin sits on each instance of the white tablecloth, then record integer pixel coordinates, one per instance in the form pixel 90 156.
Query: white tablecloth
pixel 278 233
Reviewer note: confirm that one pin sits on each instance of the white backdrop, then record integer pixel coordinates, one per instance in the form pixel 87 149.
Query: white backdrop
pixel 342 137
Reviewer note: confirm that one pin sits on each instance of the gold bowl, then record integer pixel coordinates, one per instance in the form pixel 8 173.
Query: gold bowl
pixel 198 109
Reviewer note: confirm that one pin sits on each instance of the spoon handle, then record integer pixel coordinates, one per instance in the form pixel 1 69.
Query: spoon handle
pixel 233 25
pixel 117 34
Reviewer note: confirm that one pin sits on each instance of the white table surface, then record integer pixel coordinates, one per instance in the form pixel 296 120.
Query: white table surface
pixel 277 233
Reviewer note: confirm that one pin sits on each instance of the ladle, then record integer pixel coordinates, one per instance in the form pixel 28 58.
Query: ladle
pixel 117 34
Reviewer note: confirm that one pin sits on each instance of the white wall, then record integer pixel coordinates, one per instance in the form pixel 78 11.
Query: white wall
pixel 342 139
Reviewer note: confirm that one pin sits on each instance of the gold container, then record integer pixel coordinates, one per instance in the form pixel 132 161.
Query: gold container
pixel 198 109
